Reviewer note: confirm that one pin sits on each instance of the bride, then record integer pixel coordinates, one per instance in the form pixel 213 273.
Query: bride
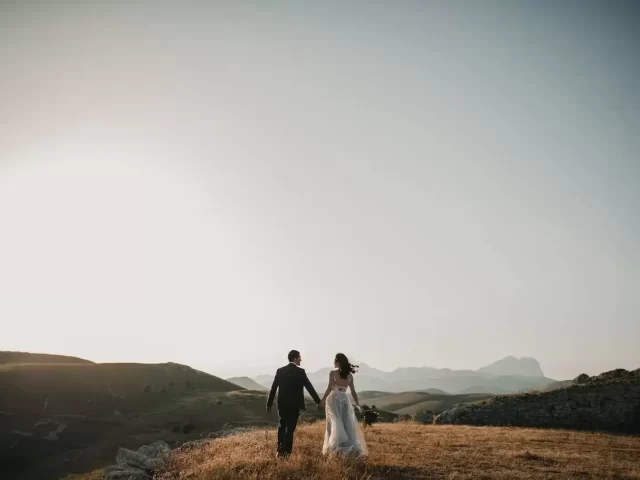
pixel 343 433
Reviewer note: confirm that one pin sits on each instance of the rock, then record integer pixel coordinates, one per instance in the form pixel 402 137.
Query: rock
pixel 155 450
pixel 124 473
pixel 581 379
pixel 131 458
pixel 613 374
pixel 137 465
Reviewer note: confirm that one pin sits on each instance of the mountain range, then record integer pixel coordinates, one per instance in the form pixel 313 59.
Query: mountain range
pixel 508 375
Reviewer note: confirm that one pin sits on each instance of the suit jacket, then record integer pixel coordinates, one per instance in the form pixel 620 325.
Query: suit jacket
pixel 290 381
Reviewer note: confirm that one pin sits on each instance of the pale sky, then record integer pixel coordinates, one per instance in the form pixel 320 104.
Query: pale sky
pixel 412 183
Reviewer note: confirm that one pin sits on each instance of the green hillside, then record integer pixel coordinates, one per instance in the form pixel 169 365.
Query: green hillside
pixel 409 403
pixel 72 417
pixel 372 394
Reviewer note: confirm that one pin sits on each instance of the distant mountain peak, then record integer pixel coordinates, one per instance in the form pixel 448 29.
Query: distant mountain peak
pixel 525 366
pixel 246 382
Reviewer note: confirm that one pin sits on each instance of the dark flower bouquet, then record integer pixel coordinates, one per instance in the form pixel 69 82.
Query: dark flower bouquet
pixel 369 415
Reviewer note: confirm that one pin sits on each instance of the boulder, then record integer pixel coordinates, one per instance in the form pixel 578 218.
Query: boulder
pixel 581 379
pixel 124 473
pixel 131 458
pixel 137 465
pixel 155 450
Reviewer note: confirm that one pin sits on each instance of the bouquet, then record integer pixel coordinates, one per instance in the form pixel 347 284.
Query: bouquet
pixel 369 414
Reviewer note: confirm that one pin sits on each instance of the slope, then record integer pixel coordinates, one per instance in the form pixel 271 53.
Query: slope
pixel 58 418
pixel 410 403
pixel 413 451
pixel 246 382
pixel 26 357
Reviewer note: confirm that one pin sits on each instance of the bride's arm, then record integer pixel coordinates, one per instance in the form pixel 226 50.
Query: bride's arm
pixel 326 394
pixel 353 390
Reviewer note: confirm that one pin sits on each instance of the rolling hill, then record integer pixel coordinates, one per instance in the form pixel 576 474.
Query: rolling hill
pixel 410 403
pixel 371 395
pixel 26 357
pixel 58 418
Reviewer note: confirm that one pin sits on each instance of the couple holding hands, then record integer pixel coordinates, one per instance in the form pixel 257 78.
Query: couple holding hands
pixel 343 434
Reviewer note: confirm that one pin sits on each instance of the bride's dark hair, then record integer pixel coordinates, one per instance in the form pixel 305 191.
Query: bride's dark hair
pixel 345 367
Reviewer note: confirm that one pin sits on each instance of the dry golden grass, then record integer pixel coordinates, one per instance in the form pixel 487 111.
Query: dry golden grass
pixel 416 451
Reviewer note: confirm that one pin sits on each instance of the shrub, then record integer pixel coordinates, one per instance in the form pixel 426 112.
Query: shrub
pixel 424 416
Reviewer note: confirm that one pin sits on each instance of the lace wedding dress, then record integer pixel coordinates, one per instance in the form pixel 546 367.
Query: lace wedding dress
pixel 343 433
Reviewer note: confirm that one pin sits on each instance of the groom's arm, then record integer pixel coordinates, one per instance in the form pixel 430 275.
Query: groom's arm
pixel 272 393
pixel 310 389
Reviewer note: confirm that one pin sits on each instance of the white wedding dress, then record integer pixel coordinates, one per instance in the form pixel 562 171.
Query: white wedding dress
pixel 343 433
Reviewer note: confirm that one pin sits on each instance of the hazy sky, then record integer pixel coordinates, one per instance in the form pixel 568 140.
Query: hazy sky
pixel 412 183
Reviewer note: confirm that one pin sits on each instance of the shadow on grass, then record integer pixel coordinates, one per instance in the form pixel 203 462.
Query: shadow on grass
pixel 379 472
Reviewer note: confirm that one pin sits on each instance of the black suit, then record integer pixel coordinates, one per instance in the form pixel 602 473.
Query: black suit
pixel 289 381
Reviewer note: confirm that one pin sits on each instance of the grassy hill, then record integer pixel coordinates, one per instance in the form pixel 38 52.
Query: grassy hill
pixel 58 418
pixel 410 403
pixel 435 391
pixel 26 357
pixel 372 394
pixel 411 451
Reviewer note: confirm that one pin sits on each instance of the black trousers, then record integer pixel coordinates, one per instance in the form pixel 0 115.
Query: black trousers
pixel 288 423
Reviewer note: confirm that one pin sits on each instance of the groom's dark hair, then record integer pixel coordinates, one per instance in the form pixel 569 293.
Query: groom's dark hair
pixel 293 354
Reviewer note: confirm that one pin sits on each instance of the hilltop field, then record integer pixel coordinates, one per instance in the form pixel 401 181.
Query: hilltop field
pixel 399 451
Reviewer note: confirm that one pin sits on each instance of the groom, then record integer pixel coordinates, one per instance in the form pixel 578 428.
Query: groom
pixel 290 381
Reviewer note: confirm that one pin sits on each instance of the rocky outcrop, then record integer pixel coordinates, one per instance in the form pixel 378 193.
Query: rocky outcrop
pixel 610 401
pixel 137 465
pixel 581 379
